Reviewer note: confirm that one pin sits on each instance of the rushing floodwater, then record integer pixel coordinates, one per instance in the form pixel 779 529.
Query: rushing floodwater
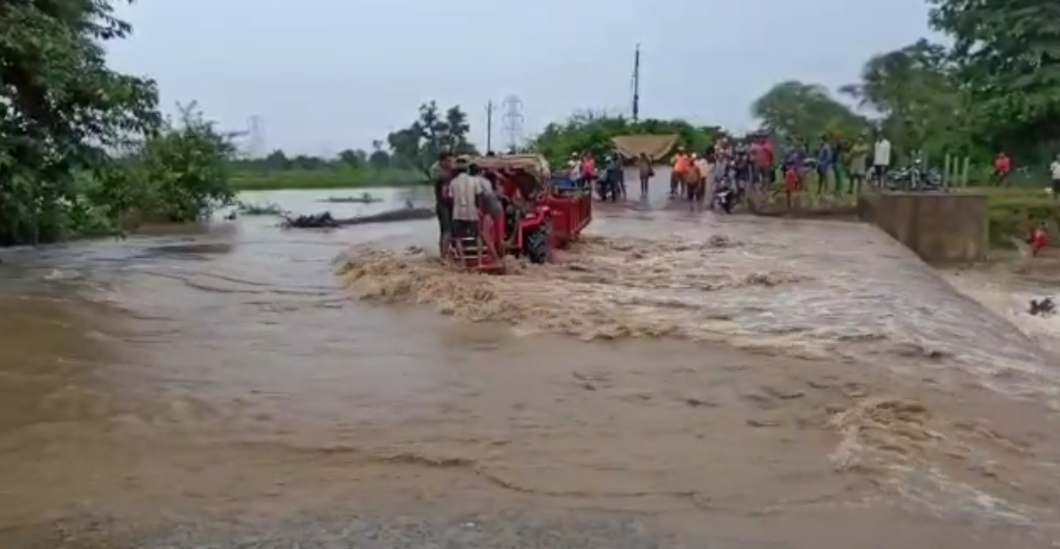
pixel 743 382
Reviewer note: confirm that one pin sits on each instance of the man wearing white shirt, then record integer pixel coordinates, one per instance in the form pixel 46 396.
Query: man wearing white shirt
pixel 881 158
pixel 1054 172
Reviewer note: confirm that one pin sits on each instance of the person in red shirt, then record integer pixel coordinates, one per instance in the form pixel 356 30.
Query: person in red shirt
pixel 764 156
pixel 1038 239
pixel 588 168
pixel 1002 168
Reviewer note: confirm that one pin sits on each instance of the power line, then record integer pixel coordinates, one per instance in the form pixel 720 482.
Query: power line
pixel 513 121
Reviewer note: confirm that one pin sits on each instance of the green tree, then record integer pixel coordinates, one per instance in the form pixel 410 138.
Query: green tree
pixel 353 159
pixel 593 132
pixel 419 144
pixel 794 110
pixel 185 169
pixel 914 90
pixel 178 174
pixel 1007 54
pixel 61 110
pixel 379 158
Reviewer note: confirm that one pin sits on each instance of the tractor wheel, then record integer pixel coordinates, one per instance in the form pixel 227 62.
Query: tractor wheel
pixel 537 243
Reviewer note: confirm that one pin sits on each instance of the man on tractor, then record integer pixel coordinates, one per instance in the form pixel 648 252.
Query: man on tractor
pixel 468 191
pixel 490 205
pixel 443 174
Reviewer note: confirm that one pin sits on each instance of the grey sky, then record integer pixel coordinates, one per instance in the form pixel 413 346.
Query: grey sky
pixel 326 75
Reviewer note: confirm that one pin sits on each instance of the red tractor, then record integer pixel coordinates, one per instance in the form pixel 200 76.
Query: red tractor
pixel 534 220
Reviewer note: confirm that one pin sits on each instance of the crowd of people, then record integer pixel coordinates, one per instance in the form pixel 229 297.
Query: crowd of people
pixel 718 177
pixel 753 163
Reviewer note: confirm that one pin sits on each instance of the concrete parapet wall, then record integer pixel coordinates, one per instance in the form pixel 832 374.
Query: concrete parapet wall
pixel 939 227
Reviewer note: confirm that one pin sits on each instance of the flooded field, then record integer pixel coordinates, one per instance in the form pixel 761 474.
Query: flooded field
pixel 676 380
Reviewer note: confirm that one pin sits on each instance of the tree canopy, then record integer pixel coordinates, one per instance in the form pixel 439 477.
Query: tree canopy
pixel 82 146
pixel 996 88
pixel 419 145
pixel 591 132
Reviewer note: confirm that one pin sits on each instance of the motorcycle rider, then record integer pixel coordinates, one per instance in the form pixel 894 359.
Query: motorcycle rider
pixel 742 165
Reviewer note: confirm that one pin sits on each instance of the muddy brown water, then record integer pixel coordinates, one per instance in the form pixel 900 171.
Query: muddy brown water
pixel 744 382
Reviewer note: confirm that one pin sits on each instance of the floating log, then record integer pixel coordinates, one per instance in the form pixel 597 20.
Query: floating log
pixel 325 220
pixel 365 198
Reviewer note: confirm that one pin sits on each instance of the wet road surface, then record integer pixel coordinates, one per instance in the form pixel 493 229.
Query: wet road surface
pixel 677 380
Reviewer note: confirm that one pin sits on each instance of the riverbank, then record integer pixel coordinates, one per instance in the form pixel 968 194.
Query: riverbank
pixel 325 178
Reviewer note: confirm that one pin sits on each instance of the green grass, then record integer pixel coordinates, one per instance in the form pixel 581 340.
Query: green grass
pixel 337 178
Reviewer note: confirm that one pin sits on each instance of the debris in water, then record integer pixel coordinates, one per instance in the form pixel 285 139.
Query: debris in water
pixel 1042 307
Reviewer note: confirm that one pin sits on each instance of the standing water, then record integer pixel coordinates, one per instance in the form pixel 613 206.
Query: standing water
pixel 675 378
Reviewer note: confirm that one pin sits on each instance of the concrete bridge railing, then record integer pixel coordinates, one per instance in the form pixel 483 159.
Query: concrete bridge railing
pixel 940 228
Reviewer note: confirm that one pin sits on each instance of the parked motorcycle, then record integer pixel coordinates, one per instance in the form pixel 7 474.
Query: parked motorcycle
pixel 914 178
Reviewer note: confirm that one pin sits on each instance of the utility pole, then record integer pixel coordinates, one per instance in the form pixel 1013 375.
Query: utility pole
pixel 489 126
pixel 636 84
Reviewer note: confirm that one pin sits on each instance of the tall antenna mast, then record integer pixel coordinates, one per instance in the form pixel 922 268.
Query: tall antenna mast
pixel 636 84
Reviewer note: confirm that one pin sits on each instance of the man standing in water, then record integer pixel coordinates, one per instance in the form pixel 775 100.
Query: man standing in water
pixel 442 206
pixel 703 170
pixel 644 166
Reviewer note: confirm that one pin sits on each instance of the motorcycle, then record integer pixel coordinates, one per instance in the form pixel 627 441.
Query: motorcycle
pixel 724 196
pixel 914 178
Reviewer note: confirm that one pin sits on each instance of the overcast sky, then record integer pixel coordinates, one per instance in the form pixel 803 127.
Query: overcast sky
pixel 326 75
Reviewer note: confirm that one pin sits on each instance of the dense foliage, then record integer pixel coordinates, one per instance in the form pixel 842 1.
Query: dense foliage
pixel 82 146
pixel 996 89
pixel 590 132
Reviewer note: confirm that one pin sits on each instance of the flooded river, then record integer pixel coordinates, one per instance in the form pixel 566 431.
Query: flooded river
pixel 676 380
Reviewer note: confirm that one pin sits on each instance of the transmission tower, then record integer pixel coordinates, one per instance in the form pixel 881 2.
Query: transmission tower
pixel 256 145
pixel 513 121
